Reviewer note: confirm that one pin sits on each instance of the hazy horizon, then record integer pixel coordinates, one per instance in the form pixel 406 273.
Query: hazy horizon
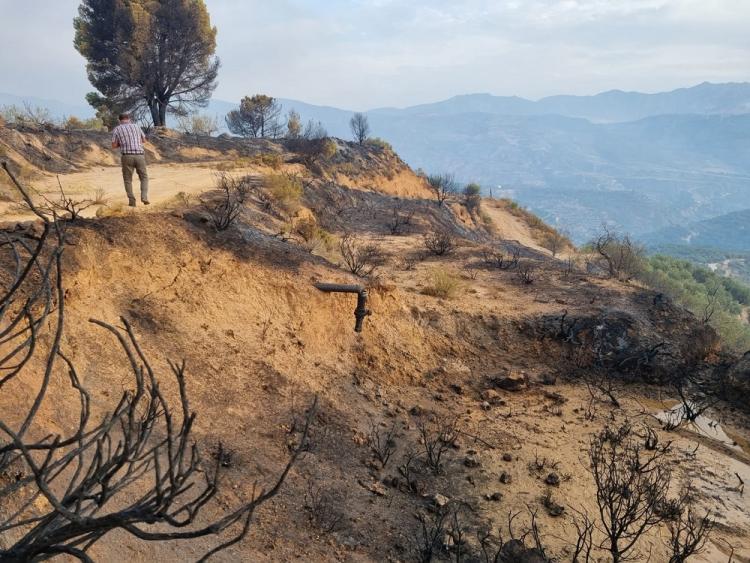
pixel 366 54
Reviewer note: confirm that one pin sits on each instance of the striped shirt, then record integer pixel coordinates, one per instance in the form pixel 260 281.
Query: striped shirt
pixel 129 137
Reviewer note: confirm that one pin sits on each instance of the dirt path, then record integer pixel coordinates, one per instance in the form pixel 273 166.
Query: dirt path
pixel 165 182
pixel 511 228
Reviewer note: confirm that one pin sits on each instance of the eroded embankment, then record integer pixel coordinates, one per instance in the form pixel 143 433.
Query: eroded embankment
pixel 260 340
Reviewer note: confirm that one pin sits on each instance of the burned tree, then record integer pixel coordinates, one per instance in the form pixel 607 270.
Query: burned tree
pixel 70 489
pixel 66 206
pixel 360 126
pixel 225 207
pixel 442 186
pixel 360 258
pixel 631 487
pixel 688 532
pixel 440 242
pixel 621 256
pixel 695 399
pixel 401 217
pixel 382 442
pixel 496 258
pixel 437 436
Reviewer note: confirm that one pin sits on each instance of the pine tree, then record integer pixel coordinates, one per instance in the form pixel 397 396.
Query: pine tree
pixel 258 116
pixel 147 56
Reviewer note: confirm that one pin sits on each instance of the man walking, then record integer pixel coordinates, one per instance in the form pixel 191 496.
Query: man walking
pixel 129 138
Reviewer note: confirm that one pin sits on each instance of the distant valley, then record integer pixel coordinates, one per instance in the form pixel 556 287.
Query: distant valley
pixel 730 232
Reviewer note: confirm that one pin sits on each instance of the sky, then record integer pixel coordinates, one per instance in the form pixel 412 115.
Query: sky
pixel 362 54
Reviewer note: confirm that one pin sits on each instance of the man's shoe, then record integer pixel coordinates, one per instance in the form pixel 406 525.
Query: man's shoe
pixel 131 202
pixel 145 202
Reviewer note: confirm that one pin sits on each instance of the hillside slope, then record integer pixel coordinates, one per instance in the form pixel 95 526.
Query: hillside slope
pixel 501 355
pixel 730 233
pixel 184 164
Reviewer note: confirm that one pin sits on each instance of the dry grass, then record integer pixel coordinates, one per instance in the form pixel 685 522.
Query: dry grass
pixel 117 209
pixel 268 160
pixel 488 222
pixel 315 239
pixel 286 192
pixel 443 284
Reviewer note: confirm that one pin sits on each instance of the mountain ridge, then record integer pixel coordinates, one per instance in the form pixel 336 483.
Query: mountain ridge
pixel 700 99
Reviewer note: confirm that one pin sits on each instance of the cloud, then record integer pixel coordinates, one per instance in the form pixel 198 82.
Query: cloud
pixel 365 53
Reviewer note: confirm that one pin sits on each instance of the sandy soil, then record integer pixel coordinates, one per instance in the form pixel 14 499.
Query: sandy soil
pixel 510 227
pixel 165 181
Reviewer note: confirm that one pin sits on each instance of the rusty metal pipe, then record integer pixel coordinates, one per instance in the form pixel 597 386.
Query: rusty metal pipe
pixel 361 311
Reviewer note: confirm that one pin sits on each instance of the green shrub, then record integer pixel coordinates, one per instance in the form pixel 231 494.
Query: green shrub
pixel 313 236
pixel 488 222
pixel 472 197
pixel 229 165
pixel 719 301
pixel 555 242
pixel 472 190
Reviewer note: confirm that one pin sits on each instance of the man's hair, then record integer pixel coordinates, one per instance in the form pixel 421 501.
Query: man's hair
pixel 124 116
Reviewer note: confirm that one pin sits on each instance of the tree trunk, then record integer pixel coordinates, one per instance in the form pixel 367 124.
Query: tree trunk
pixel 162 114
pixel 152 105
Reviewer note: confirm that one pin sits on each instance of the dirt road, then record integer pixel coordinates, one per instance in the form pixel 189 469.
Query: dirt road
pixel 165 182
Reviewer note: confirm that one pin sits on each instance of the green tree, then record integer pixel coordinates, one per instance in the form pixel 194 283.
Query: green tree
pixel 713 298
pixel 256 117
pixel 472 197
pixel 147 56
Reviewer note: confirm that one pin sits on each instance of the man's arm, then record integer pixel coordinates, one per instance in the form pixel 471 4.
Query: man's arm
pixel 115 140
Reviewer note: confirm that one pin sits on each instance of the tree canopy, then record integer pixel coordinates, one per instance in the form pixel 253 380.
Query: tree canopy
pixel 720 301
pixel 147 56
pixel 257 116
